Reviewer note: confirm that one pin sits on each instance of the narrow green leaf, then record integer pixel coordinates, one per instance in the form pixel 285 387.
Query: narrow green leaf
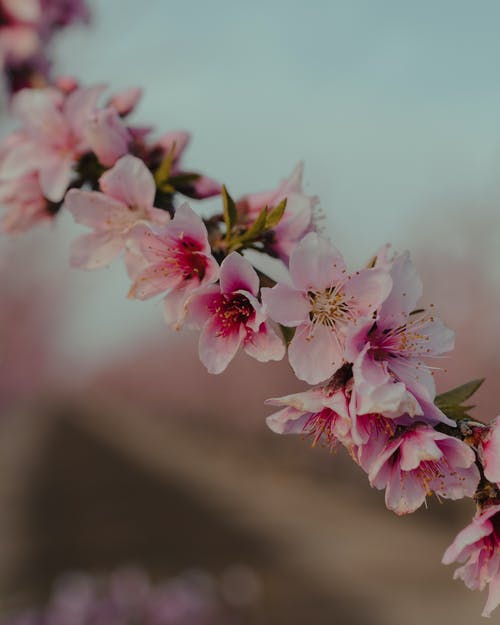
pixel 166 187
pixel 230 211
pixel 257 228
pixel 275 214
pixel 183 179
pixel 456 396
pixel 163 172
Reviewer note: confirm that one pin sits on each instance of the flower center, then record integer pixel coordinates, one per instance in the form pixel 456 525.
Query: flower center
pixel 232 311
pixel 319 425
pixel 329 307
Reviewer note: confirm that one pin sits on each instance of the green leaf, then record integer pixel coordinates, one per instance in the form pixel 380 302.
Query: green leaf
pixel 257 228
pixel 181 180
pixel 274 215
pixel 455 397
pixel 230 211
pixel 163 172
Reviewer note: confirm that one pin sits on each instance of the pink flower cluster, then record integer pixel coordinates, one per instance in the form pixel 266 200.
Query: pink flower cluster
pixel 360 338
pixel 68 140
pixel 26 27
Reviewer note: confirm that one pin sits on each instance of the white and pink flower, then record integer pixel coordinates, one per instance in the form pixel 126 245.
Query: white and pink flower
pixel 419 462
pixel 323 303
pixel 177 260
pixel 321 413
pixel 387 353
pixel 126 198
pixel 477 547
pixel 53 136
pixel 231 317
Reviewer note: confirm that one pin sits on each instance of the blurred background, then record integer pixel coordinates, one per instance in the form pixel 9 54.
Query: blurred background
pixel 117 448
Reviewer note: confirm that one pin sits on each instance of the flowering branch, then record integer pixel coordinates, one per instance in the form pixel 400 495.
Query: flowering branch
pixel 359 338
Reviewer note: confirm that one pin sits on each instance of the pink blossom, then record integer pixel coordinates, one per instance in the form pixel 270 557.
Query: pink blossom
pixel 322 303
pixel 489 449
pixel 297 219
pixel 26 204
pixel 232 316
pixel 321 412
pixel 370 435
pixel 53 136
pixel 126 198
pixel 176 257
pixel 387 353
pixel 478 547
pixel 421 461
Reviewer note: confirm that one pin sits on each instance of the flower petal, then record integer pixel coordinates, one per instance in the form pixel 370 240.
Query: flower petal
pixel 315 353
pixel 130 182
pixel 316 264
pixel 237 274
pixel 217 349
pixel 286 305
pixel 264 345
pixel 95 250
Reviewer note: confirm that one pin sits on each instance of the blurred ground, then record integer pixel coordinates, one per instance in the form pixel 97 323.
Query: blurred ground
pixel 101 485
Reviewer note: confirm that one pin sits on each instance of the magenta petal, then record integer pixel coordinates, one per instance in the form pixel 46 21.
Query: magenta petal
pixel 217 349
pixel 264 345
pixel 315 353
pixel 188 224
pixel 237 274
pixel 286 305
pixel 130 182
pixel 202 302
pixel 95 250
